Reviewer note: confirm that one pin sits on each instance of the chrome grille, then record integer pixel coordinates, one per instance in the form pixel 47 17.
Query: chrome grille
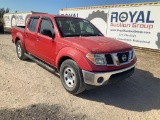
pixel 109 59
pixel 123 57
pixel 116 59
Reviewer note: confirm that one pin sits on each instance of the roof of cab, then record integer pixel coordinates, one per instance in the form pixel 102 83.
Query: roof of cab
pixel 52 15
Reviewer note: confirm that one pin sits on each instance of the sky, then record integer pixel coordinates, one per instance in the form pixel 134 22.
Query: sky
pixel 53 6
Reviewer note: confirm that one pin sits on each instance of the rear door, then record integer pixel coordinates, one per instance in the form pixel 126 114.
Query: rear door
pixel 46 42
pixel 31 34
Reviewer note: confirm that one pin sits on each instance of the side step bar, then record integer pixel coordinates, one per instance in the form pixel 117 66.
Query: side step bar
pixel 39 62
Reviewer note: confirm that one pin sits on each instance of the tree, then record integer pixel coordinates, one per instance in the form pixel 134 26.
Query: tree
pixel 2 11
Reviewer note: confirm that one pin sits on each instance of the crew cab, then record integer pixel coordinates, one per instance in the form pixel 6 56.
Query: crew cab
pixel 76 49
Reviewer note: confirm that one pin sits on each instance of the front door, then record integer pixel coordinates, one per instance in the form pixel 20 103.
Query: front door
pixel 46 43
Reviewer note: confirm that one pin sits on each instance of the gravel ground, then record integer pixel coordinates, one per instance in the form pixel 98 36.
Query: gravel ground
pixel 29 92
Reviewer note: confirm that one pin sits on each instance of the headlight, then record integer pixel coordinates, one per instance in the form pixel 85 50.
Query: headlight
pixel 97 59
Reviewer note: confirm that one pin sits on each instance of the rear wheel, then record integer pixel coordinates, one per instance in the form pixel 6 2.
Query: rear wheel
pixel 71 77
pixel 20 51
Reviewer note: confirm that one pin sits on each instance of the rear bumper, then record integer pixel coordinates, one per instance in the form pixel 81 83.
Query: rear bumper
pixel 101 78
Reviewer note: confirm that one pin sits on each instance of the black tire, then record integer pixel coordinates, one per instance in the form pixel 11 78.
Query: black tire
pixel 20 51
pixel 71 77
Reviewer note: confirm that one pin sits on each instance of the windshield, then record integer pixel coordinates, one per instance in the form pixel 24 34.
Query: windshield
pixel 71 27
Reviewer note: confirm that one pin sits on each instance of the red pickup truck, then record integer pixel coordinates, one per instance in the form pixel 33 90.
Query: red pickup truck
pixel 76 49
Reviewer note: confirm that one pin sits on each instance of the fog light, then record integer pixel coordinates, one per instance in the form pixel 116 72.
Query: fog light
pixel 100 79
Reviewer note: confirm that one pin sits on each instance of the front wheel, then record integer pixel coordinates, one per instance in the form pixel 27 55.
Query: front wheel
pixel 71 77
pixel 20 51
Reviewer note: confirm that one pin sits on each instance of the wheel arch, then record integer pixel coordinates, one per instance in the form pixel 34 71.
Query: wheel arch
pixel 68 53
pixel 19 37
pixel 62 59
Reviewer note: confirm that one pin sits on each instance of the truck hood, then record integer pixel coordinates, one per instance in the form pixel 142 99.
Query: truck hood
pixel 98 44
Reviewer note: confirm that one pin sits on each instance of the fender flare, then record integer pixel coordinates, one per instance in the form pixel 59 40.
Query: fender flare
pixel 68 52
pixel 20 37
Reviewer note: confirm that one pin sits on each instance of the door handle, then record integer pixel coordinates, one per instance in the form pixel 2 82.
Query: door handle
pixel 37 38
pixel 26 34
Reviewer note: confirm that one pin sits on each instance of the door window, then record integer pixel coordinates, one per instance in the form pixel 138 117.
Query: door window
pixel 32 24
pixel 46 27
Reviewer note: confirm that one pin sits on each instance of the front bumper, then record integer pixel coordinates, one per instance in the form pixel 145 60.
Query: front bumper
pixel 101 78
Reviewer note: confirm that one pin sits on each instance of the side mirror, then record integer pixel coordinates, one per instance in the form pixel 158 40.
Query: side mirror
pixel 53 36
pixel 48 33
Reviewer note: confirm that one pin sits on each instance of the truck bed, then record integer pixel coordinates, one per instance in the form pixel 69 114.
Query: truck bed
pixel 15 30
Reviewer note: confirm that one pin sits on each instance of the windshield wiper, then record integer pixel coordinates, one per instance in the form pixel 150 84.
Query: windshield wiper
pixel 87 35
pixel 81 35
pixel 72 35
